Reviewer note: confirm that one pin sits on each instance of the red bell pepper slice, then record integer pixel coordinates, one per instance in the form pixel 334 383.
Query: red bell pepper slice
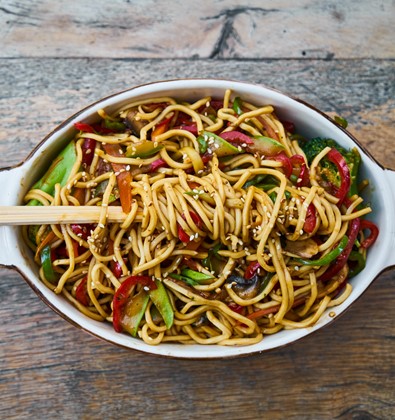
pixel 81 292
pixel 86 128
pixel 217 104
pixel 310 220
pixel 289 126
pixel 82 231
pixel 336 157
pixel 251 270
pixel 303 173
pixel 124 177
pixel 341 260
pixel 236 308
pixel 156 164
pixel 192 128
pixel 374 233
pixel 286 163
pixel 182 235
pixel 236 137
pixel 88 151
pixel 122 295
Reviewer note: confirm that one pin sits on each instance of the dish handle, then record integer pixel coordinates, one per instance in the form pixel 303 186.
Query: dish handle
pixel 390 177
pixel 10 187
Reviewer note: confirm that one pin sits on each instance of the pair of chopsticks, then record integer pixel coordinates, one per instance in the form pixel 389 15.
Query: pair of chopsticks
pixel 46 215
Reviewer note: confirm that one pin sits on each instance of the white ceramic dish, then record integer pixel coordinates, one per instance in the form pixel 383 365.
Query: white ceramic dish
pixel 309 121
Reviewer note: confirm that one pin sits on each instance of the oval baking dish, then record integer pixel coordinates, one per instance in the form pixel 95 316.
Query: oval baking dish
pixel 311 122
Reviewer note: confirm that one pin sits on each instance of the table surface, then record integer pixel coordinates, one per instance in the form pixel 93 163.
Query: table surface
pixel 57 57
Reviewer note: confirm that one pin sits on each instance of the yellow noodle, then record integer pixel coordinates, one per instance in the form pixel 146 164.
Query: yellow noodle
pixel 197 201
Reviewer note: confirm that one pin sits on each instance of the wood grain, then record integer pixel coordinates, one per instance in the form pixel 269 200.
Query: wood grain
pixel 210 29
pixel 57 57
pixel 362 91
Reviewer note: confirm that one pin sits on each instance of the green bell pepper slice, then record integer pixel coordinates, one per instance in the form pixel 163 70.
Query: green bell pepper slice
pixel 57 173
pixel 328 258
pixel 161 300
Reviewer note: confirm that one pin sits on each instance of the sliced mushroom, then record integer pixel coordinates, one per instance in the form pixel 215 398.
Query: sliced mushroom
pixel 245 289
pixel 134 124
pixel 305 248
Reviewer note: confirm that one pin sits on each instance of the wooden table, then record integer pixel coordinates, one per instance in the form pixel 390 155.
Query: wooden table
pixel 57 57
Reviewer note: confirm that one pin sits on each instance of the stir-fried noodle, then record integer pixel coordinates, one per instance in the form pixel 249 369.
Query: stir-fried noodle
pixel 231 231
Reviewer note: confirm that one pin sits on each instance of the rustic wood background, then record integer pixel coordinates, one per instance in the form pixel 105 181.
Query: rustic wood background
pixel 58 56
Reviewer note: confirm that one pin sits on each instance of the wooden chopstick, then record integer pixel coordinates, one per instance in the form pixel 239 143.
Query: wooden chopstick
pixel 45 215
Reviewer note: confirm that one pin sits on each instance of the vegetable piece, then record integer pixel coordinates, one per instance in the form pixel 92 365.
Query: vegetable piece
pixel 201 195
pixel 236 308
pixel 328 258
pixel 83 231
pixel 341 121
pixel 58 172
pixel 161 128
pixel 216 144
pixel 86 128
pixel 328 170
pixel 49 238
pixel 214 261
pixel 162 302
pixel 46 263
pixel 156 164
pixel 124 178
pixel 81 292
pixel 134 124
pixel 336 157
pixel 128 312
pixel 196 276
pixel 273 309
pixel 341 260
pixel 192 128
pixel 302 174
pixel 360 261
pixel 289 126
pixel 245 288
pixel 251 269
pixel 286 163
pixel 305 248
pixel 143 149
pixel 112 125
pixel 374 233
pixel 88 151
pixel 266 146
pixel 237 138
pixel 182 235
pixel 32 233
pixel 311 219
pixel 237 105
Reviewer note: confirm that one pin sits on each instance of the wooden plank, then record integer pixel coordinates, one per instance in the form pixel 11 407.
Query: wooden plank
pixel 210 29
pixel 345 370
pixel 362 91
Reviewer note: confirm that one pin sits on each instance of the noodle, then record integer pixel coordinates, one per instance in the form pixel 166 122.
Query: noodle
pixel 222 231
